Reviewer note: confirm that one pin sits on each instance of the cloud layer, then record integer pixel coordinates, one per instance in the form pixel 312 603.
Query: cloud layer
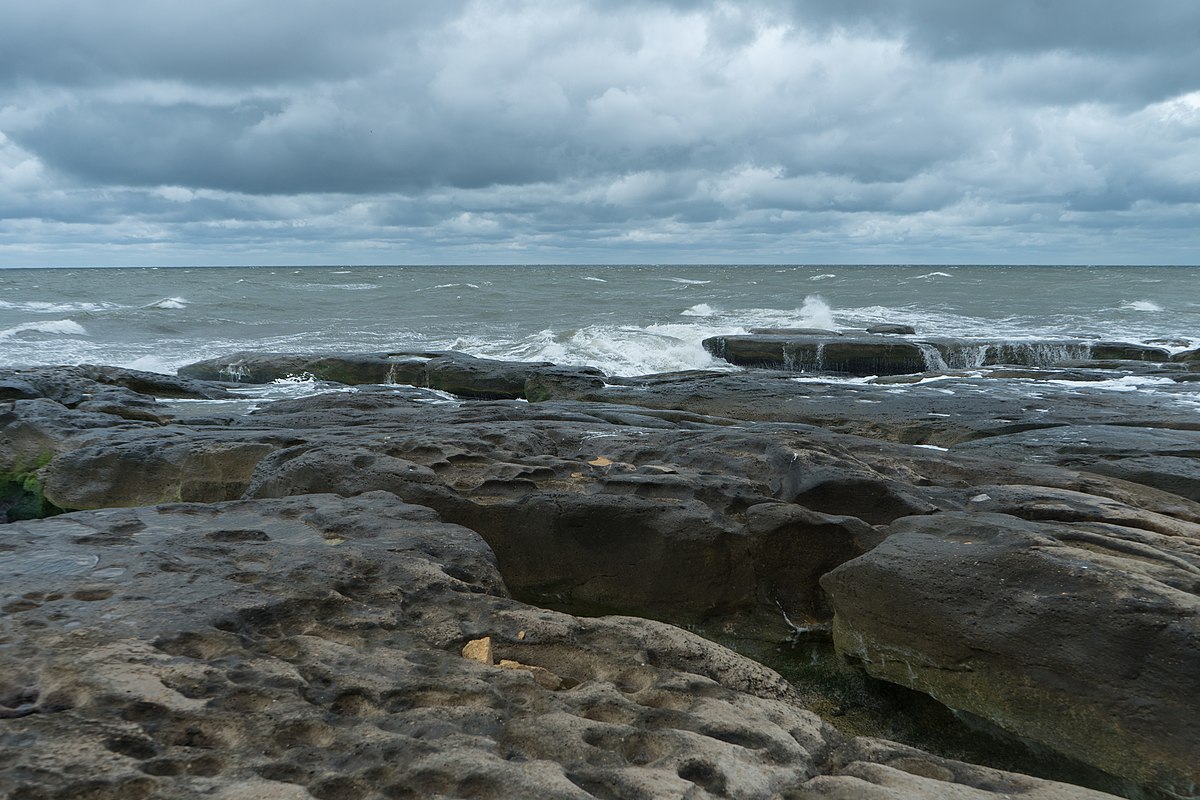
pixel 142 132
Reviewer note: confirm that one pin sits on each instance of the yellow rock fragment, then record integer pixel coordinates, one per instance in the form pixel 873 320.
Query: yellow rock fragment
pixel 544 677
pixel 600 461
pixel 520 636
pixel 480 650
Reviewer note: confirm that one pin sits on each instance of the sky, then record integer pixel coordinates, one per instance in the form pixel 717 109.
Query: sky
pixel 275 132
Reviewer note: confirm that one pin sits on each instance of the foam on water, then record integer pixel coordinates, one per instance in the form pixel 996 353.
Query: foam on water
pixel 623 350
pixel 816 313
pixel 173 303
pixel 698 310
pixel 1141 305
pixel 42 307
pixel 591 278
pixel 688 281
pixel 56 327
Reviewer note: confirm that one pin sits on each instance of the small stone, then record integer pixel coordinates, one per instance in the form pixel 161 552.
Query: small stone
pixel 545 678
pixel 480 650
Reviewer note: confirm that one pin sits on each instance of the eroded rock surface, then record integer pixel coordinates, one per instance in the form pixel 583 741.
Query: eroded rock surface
pixel 1082 635
pixel 310 647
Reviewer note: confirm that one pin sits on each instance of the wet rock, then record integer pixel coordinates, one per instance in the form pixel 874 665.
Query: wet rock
pixel 1124 351
pixel 885 355
pixel 72 385
pixel 1190 358
pixel 481 378
pixel 1079 635
pixel 1165 459
pixel 348 369
pixel 891 327
pixel 860 355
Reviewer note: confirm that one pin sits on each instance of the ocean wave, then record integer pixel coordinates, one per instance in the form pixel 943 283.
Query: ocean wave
pixel 687 281
pixel 42 307
pixel 597 280
pixel 1141 305
pixel 57 327
pixel 929 275
pixel 699 310
pixel 822 277
pixel 449 286
pixel 171 303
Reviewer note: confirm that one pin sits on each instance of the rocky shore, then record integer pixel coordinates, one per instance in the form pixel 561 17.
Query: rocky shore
pixel 453 577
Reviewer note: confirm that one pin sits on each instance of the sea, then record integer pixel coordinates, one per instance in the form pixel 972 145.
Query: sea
pixel 627 319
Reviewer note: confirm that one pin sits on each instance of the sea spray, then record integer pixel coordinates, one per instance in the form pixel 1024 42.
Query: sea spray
pixel 814 312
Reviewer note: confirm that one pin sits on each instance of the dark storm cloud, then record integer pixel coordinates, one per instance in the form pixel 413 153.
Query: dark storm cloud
pixel 586 130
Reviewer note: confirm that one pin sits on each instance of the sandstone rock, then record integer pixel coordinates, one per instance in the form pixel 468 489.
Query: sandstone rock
pixel 1191 358
pixel 1165 459
pixel 480 650
pixel 1079 635
pixel 859 355
pixel 871 769
pixel 185 651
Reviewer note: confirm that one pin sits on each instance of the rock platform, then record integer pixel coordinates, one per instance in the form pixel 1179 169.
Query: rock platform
pixel 275 603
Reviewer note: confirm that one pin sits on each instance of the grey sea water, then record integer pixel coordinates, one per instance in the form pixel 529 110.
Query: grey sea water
pixel 625 319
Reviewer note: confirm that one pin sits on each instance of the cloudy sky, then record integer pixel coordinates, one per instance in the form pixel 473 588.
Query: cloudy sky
pixel 599 131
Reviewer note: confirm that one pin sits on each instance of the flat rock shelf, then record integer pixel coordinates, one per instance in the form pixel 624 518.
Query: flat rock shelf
pixel 441 576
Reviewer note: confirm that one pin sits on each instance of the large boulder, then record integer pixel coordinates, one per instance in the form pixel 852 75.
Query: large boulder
pixel 1081 636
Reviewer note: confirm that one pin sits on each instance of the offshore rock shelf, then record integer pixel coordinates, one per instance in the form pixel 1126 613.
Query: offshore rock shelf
pixel 861 353
pixel 275 603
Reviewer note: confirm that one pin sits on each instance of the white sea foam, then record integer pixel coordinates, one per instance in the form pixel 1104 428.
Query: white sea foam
pixel 355 287
pixel 621 350
pixel 449 286
pixel 597 280
pixel 42 307
pixel 1141 305
pixel 151 364
pixel 929 275
pixel 698 310
pixel 688 281
pixel 56 327
pixel 823 277
pixel 173 303
pixel 815 313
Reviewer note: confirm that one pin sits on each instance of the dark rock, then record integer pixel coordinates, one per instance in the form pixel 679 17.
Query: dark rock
pixel 891 327
pixel 885 355
pixel 1165 459
pixel 1079 635
pixel 794 332
pixel 72 385
pixel 480 378
pixel 853 355
pixel 1118 351
pixel 1191 358
pixel 348 369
